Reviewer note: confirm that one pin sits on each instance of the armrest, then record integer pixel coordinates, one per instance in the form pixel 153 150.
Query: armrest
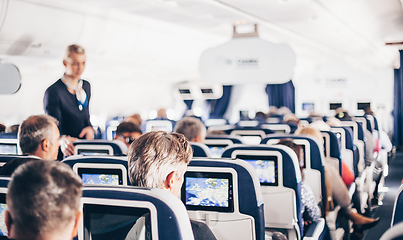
pixel 394 232
pixel 315 230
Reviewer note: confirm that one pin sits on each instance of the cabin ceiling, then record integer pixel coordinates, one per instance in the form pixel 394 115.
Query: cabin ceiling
pixel 352 29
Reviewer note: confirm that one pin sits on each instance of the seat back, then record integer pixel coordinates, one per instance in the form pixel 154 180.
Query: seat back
pixel 99 147
pixel 358 136
pixel 313 163
pixel 200 150
pixel 347 147
pixel 280 177
pixel 159 125
pixel 113 212
pixel 397 215
pixel 3 206
pixel 393 233
pixel 332 150
pixel 250 135
pixel 225 194
pixel 218 143
pixel 109 170
pixel 9 144
pixel 278 127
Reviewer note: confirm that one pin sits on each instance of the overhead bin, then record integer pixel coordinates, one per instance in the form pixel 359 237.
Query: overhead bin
pixel 247 59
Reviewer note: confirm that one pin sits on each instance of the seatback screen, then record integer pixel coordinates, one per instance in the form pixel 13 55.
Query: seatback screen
pixel 101 176
pixel 216 150
pixel 93 152
pixel 102 222
pixel 208 191
pixel 8 148
pixel 3 208
pixel 266 168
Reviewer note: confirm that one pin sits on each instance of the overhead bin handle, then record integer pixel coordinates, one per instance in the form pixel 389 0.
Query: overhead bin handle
pixel 248 34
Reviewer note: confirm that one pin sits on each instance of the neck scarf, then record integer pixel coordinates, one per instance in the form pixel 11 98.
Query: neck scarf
pixel 80 93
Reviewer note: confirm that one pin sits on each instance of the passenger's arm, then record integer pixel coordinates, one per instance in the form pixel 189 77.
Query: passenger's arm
pixel 310 204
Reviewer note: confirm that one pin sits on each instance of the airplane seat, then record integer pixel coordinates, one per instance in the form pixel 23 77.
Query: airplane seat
pixel 393 233
pixel 216 122
pixel 3 206
pixel 158 125
pixel 110 127
pixel 278 127
pixel 99 147
pixel 9 144
pixel 217 143
pixel 250 135
pixel 225 194
pixel 313 163
pixel 332 150
pixel 4 135
pixel 397 216
pixel 108 170
pixel 113 212
pixel 8 157
pixel 200 149
pixel 281 188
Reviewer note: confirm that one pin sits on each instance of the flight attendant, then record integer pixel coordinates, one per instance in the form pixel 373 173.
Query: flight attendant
pixel 68 99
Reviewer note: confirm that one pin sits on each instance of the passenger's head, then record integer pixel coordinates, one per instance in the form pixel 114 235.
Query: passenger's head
pixel 2 128
pixel 162 113
pixel 13 128
pixel 74 61
pixel 260 115
pixel 315 133
pixel 296 148
pixel 343 116
pixel 135 118
pixel 193 129
pixel 39 136
pixel 127 132
pixel 291 118
pixel 159 160
pixel 43 201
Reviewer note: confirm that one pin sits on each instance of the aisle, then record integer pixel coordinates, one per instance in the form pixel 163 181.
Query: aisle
pixel 385 211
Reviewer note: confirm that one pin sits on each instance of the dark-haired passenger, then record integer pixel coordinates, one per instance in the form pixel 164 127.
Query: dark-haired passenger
pixel 127 132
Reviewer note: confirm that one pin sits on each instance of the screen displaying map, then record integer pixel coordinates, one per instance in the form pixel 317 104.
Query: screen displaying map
pixel 106 179
pixel 266 170
pixel 207 192
pixel 8 148
pixel 3 228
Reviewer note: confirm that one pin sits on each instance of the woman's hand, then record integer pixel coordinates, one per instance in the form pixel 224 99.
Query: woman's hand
pixel 88 132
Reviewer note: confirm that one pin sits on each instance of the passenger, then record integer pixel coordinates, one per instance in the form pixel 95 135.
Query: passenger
pixel 38 137
pixel 49 207
pixel 2 128
pixel 338 189
pixel 159 160
pixel 135 118
pixel 162 114
pixel 309 209
pixel 260 116
pixel 193 129
pixel 12 128
pixel 68 98
pixel 127 132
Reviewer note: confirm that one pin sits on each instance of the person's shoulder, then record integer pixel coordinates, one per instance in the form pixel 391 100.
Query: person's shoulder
pixel 56 85
pixel 86 83
pixel 201 231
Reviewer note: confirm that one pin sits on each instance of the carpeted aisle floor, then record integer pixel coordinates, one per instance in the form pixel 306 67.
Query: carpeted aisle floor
pixel 384 211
